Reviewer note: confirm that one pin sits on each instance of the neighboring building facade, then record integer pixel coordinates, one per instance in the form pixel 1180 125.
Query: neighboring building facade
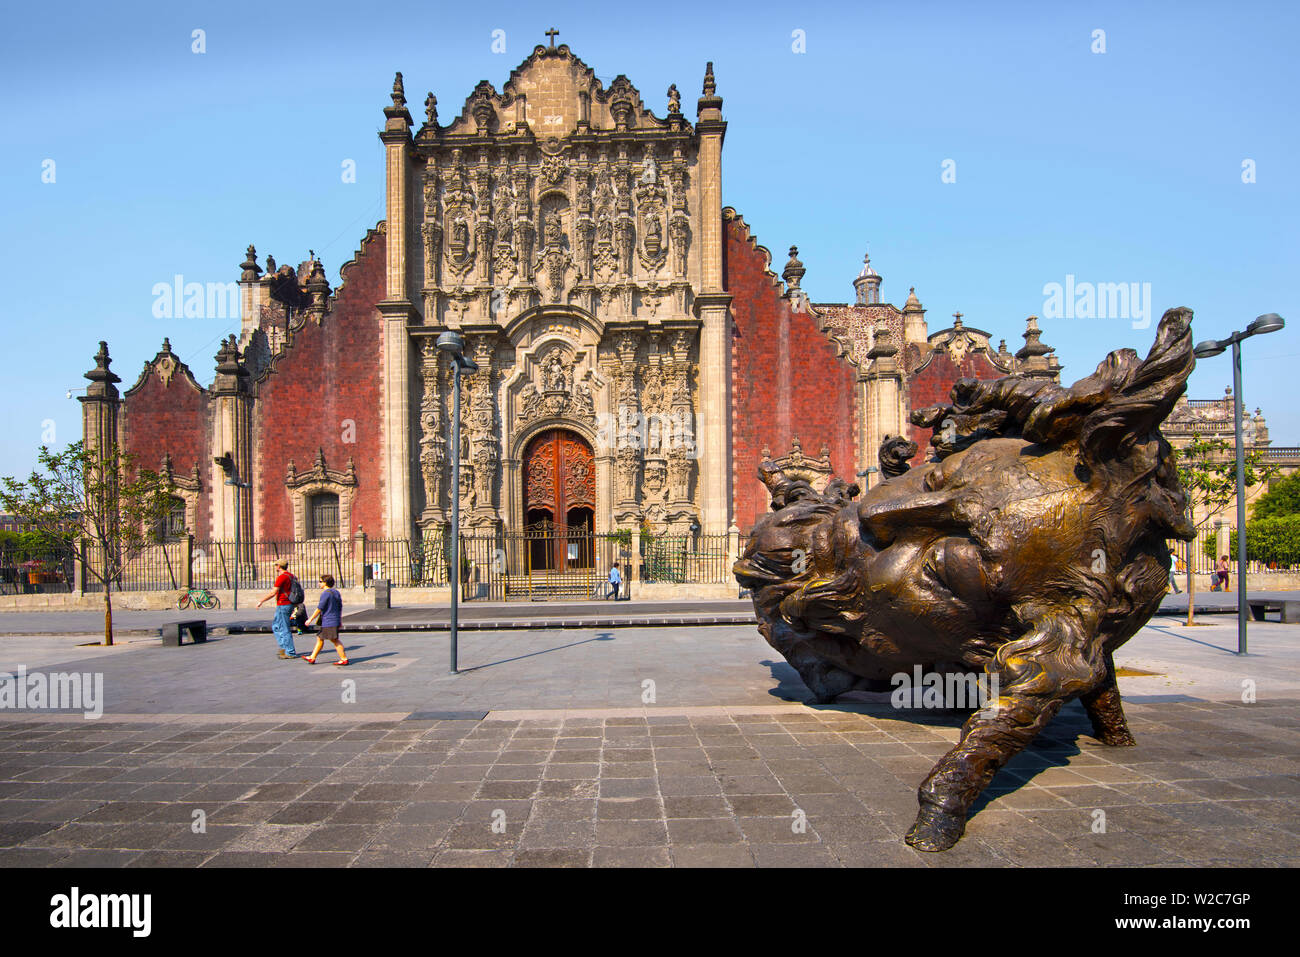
pixel 637 356
pixel 1210 420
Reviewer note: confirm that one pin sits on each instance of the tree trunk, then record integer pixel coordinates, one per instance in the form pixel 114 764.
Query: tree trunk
pixel 108 613
pixel 1191 583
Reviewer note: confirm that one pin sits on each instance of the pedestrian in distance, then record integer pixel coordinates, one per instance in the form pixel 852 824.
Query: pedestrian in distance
pixel 329 611
pixel 287 592
pixel 615 579
pixel 1174 572
pixel 1222 574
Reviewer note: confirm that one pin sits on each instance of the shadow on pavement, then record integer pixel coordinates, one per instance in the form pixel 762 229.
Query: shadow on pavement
pixel 603 636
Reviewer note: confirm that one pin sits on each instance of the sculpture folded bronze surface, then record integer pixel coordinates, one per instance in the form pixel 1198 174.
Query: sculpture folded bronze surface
pixel 1029 548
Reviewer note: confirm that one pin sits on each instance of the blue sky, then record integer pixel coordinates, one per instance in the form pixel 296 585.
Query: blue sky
pixel 1122 166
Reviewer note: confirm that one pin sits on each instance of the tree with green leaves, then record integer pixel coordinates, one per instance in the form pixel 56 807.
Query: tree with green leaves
pixel 1207 469
pixel 102 508
pixel 1281 499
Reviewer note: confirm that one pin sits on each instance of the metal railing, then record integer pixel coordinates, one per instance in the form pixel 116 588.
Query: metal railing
pixel 26 571
pixel 538 563
pixel 214 562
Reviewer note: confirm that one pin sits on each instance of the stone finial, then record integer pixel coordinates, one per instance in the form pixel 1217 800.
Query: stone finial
pixel 399 93
pixel 1032 346
pixel 793 272
pixel 250 269
pixel 913 304
pixel 318 289
pixel 1034 356
pixel 232 374
pixel 431 109
pixel 674 99
pixel 709 106
pixel 102 379
pixel 956 321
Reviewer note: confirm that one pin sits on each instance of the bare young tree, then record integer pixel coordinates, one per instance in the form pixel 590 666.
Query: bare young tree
pixel 102 509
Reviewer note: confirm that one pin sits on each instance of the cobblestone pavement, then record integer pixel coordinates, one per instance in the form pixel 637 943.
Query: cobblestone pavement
pixel 557 761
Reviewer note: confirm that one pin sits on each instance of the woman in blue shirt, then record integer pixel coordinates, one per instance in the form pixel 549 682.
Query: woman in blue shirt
pixel 330 613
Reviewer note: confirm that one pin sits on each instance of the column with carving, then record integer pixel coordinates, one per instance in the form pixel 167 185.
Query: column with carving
pixel 431 233
pixel 624 227
pixel 433 440
pixel 525 231
pixel 682 451
pixel 627 431
pixel 679 230
pixel 483 448
pixel 483 225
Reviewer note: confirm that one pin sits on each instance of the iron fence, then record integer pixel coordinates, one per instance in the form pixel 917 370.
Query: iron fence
pixel 215 562
pixel 538 563
pixel 29 570
pixel 687 559
pixel 159 567
pixel 405 562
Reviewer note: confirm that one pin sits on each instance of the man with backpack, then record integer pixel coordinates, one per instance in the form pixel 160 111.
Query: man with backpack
pixel 288 594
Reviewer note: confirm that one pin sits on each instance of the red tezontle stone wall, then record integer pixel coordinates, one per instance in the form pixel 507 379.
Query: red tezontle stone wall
pixel 787 378
pixel 330 374
pixel 173 419
pixel 933 384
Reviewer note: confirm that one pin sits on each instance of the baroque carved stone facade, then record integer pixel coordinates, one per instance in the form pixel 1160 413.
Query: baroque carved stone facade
pixel 637 356
pixel 555 225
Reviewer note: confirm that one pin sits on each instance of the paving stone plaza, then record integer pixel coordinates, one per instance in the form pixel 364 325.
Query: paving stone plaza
pixel 658 747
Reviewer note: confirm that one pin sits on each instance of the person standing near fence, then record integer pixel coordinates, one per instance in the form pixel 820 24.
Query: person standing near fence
pixel 615 579
pixel 283 609
pixel 329 610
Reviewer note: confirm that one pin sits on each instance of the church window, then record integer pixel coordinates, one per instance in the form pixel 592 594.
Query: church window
pixel 324 516
pixel 172 525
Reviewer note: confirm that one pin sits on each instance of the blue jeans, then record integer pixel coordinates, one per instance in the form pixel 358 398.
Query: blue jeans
pixel 280 628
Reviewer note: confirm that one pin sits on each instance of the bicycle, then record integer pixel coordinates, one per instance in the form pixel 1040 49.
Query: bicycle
pixel 199 597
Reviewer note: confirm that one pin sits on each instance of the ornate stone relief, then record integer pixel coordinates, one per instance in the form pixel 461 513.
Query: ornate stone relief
pixel 795 464
pixel 558 392
pixel 319 478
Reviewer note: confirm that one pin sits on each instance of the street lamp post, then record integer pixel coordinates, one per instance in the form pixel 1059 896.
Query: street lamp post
pixel 454 345
pixel 1269 322
pixel 227 464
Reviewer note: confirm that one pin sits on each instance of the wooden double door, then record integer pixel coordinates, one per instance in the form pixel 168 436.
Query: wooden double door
pixel 559 471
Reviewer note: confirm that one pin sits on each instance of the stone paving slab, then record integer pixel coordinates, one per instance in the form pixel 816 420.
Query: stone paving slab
pixel 745 787
pixel 551 750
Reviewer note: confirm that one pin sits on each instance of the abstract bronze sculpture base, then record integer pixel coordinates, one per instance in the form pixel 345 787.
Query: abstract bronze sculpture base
pixel 1030 547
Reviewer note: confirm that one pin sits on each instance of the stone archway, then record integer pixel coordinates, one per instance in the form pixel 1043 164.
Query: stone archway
pixel 559 500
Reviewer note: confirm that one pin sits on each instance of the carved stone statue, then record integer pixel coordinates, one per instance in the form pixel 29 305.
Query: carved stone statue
pixel 557 378
pixel 1031 547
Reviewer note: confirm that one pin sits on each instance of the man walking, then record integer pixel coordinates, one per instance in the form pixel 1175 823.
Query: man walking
pixel 615 579
pixel 284 583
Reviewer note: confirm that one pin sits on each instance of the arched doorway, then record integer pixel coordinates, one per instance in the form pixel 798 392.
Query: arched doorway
pixel 559 471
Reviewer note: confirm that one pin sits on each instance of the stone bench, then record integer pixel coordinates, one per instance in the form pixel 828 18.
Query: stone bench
pixel 1288 610
pixel 173 632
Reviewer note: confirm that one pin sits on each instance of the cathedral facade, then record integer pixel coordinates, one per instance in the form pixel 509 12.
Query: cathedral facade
pixel 637 355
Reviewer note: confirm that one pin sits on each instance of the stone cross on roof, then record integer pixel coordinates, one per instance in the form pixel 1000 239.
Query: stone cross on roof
pixel 552 33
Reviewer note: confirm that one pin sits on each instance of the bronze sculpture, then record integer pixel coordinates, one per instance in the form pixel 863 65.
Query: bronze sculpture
pixel 1030 547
